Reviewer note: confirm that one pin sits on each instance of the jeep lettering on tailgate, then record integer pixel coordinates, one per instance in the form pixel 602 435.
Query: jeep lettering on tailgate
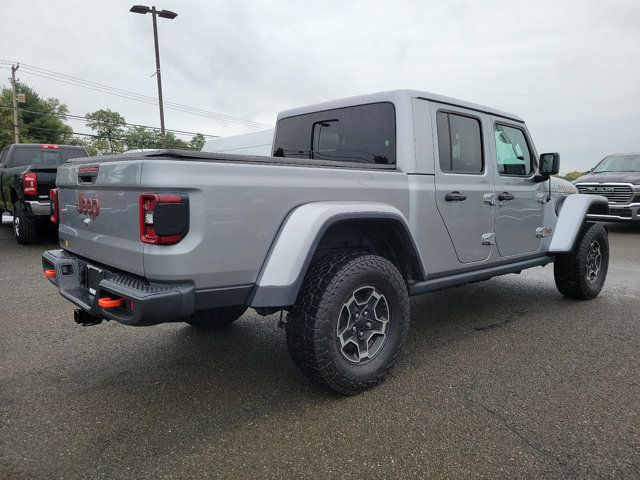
pixel 88 206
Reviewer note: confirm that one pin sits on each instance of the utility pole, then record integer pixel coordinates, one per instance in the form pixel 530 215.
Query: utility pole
pixel 16 129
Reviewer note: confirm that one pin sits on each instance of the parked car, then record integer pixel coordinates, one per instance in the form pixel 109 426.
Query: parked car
pixel 366 201
pixel 616 177
pixel 27 174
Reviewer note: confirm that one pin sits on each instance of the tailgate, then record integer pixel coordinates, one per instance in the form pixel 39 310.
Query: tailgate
pixel 46 179
pixel 99 212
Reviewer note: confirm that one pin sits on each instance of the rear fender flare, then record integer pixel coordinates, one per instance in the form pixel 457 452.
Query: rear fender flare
pixel 293 248
pixel 572 217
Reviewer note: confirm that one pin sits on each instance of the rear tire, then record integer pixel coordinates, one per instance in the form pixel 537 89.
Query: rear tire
pixel 216 317
pixel 25 230
pixel 581 273
pixel 350 320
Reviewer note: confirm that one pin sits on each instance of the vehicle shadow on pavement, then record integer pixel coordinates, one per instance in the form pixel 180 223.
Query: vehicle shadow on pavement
pixel 227 368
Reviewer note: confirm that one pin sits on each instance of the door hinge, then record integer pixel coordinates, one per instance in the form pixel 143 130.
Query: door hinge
pixel 489 198
pixel 489 239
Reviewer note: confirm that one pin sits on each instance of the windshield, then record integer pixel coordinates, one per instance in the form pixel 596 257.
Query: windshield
pixel 619 163
pixel 38 155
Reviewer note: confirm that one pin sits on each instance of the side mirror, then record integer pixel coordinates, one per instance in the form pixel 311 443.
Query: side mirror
pixel 549 164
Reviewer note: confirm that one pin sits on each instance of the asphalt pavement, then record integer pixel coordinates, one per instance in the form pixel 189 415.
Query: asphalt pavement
pixel 500 379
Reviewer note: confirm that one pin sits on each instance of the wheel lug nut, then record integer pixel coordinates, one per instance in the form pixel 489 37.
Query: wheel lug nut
pixel 368 324
pixel 357 315
pixel 366 312
pixel 361 334
pixel 354 329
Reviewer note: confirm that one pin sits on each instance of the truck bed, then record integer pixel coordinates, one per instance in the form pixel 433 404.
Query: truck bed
pixel 236 206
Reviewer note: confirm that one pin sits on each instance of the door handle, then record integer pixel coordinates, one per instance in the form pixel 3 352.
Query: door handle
pixel 505 196
pixel 455 197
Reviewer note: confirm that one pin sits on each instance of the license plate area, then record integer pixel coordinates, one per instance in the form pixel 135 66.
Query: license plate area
pixel 94 276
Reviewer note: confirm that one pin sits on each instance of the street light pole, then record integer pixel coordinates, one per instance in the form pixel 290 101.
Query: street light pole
pixel 155 40
pixel 164 14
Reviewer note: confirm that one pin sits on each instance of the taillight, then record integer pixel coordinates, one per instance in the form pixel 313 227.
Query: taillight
pixel 54 208
pixel 30 184
pixel 164 218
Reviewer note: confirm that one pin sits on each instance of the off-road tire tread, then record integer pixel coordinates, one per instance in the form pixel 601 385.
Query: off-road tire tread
pixel 568 268
pixel 310 351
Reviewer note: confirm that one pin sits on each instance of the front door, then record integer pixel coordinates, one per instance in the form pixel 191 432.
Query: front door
pixel 519 211
pixel 463 180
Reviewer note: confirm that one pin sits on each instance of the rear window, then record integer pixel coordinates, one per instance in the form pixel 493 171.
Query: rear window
pixel 36 155
pixel 363 134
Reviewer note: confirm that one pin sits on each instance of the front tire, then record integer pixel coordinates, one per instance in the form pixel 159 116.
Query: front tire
pixel 350 320
pixel 25 230
pixel 581 273
pixel 216 317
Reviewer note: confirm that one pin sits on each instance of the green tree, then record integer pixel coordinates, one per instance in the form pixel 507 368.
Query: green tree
pixel 40 120
pixel 109 127
pixel 171 141
pixel 6 124
pixel 141 137
pixel 197 142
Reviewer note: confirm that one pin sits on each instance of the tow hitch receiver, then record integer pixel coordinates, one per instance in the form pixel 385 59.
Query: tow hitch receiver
pixel 85 319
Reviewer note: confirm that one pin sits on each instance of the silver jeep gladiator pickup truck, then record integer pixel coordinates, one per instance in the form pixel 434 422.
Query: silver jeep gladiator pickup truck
pixel 365 202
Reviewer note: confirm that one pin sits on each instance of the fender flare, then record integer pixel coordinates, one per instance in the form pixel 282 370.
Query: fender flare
pixel 290 254
pixel 571 219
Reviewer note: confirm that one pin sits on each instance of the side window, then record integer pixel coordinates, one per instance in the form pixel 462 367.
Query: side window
pixel 459 143
pixel 3 155
pixel 512 151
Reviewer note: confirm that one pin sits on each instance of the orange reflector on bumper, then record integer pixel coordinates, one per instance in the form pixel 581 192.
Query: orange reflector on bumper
pixel 50 273
pixel 107 302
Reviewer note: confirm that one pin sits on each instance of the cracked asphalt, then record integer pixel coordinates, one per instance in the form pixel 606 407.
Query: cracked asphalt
pixel 500 379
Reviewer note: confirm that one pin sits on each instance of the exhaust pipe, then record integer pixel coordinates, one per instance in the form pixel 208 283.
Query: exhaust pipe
pixel 85 319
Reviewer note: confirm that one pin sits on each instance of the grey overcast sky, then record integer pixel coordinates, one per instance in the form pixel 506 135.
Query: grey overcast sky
pixel 570 68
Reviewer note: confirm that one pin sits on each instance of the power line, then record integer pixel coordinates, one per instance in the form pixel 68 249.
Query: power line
pixel 99 87
pixel 128 92
pixel 78 117
pixel 141 99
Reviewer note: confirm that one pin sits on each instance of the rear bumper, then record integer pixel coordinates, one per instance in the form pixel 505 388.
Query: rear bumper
pixel 619 213
pixel 144 303
pixel 38 208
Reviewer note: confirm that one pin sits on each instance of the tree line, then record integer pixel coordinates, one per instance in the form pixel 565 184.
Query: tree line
pixel 43 120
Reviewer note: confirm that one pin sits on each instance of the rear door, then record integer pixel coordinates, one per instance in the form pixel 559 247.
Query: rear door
pixel 99 212
pixel 463 181
pixel 519 209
